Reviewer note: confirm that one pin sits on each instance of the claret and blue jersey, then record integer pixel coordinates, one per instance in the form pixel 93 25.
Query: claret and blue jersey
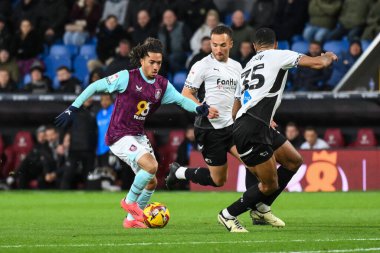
pixel 137 98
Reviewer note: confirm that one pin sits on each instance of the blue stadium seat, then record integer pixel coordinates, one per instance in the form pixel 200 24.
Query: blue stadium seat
pixel 179 80
pixel 300 47
pixel 55 83
pixel 73 50
pixel 80 67
pixel 228 19
pixel 365 44
pixel 336 46
pixel 54 62
pixel 88 50
pixel 27 79
pixel 59 50
pixel 283 44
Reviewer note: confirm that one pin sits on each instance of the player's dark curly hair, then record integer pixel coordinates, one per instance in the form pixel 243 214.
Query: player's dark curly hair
pixel 151 45
pixel 264 37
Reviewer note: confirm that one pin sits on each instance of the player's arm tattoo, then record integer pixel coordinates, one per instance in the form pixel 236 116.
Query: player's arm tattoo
pixel 193 89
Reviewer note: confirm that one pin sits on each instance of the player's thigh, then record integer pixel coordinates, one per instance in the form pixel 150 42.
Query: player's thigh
pixel 267 174
pixel 288 156
pixel 235 153
pixel 131 148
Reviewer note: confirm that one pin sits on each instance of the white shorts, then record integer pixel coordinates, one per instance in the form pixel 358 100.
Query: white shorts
pixel 131 148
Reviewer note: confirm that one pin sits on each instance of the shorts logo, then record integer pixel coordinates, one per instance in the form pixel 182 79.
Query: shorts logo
pixel 132 148
pixel 158 93
pixel 264 154
pixel 207 160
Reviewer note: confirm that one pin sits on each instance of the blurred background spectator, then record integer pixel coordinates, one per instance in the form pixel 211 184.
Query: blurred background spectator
pixel 246 52
pixel 39 84
pixel 6 83
pixel 293 135
pixel 6 37
pixel 312 140
pixel 67 82
pixel 27 45
pixel 351 19
pixel 117 8
pixel 51 19
pixel 241 32
pixel 121 60
pixel 211 21
pixel 344 63
pixel 175 37
pixel 372 25
pixel 203 52
pixel 323 16
pixel 306 79
pixel 144 28
pixel 25 9
pixel 84 17
pixel 9 63
pixel 263 13
pixel 103 118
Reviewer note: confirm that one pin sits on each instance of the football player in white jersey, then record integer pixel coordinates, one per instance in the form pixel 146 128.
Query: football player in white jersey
pixel 214 80
pixel 260 88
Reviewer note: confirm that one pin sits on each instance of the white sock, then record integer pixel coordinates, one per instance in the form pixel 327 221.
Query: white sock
pixel 226 214
pixel 262 208
pixel 180 173
pixel 130 217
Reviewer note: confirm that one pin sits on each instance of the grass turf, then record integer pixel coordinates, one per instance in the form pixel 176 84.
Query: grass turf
pixel 91 222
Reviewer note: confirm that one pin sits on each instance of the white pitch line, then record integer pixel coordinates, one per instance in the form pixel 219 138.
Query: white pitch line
pixel 183 243
pixel 327 251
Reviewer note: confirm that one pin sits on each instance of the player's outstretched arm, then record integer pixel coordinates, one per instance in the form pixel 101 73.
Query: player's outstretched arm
pixel 318 62
pixel 190 93
pixel 115 83
pixel 173 96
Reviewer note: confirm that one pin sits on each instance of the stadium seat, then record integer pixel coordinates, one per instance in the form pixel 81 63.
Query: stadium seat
pixel 336 46
pixel 54 62
pixel 1 146
pixel 179 80
pixel 300 47
pixel 8 163
pixel 59 50
pixel 22 145
pixel 88 50
pixel 27 79
pixel 334 137
pixel 283 44
pixel 365 44
pixel 80 66
pixel 365 138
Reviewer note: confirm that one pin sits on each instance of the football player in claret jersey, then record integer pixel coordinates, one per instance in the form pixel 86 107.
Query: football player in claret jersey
pixel 139 93
pixel 214 80
pixel 260 146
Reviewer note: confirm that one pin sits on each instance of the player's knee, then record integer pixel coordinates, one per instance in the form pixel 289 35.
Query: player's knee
pixel 269 187
pixel 295 163
pixel 152 184
pixel 152 167
pixel 219 182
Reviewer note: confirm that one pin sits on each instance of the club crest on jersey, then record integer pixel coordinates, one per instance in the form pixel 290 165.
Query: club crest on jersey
pixel 132 148
pixel 158 93
pixel 112 78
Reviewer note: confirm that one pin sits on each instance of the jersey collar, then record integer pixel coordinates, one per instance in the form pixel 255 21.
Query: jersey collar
pixel 144 77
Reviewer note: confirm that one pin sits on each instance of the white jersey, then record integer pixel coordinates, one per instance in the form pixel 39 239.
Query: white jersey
pixel 263 81
pixel 216 83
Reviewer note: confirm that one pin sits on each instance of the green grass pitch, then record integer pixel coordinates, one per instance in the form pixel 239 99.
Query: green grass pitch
pixel 91 222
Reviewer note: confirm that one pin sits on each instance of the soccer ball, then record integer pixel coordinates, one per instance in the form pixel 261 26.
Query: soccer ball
pixel 156 215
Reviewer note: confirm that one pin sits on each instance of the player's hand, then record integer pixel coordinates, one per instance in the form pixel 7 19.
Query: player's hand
pixel 65 119
pixel 273 124
pixel 330 55
pixel 213 113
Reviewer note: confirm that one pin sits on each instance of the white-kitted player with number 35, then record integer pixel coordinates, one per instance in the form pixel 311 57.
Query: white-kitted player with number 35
pixel 260 146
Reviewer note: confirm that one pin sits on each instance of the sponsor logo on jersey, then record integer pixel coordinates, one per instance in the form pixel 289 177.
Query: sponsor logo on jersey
pixel 138 88
pixel 143 108
pixel 226 84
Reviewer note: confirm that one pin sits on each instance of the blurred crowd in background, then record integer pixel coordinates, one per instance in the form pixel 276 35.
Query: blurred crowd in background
pixel 62 46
